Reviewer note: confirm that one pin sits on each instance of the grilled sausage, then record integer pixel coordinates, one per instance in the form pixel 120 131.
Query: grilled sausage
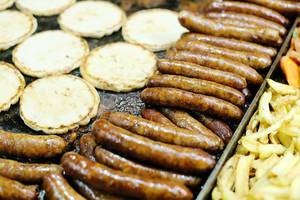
pixel 184 120
pixel 217 126
pixel 217 62
pixel 110 180
pixel 229 43
pixel 196 71
pixel 200 24
pixel 248 8
pixel 165 133
pixel 173 157
pixel 31 146
pixel 119 163
pixel 14 190
pixel 279 5
pixel 25 172
pixel 87 146
pixel 57 188
pixel 187 100
pixel 198 86
pixel 92 194
pixel 250 19
pixel 155 116
pixel 255 60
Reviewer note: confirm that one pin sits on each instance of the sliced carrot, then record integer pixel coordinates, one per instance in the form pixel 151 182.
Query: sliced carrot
pixel 290 69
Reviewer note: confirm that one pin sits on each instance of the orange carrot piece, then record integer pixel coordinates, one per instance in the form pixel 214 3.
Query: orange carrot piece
pixel 290 69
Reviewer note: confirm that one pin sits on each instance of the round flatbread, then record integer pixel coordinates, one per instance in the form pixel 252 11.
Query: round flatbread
pixel 154 29
pixel 92 18
pixel 12 84
pixel 15 27
pixel 4 4
pixel 57 104
pixel 44 7
pixel 119 67
pixel 50 53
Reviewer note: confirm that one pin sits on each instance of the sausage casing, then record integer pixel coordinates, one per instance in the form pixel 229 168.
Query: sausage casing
pixel 31 146
pixel 248 8
pixel 14 190
pixel 155 116
pixel 173 157
pixel 110 180
pixel 217 126
pixel 87 145
pixel 187 100
pixel 119 163
pixel 229 43
pixel 57 188
pixel 26 172
pixel 217 62
pixel 196 71
pixel 200 24
pixel 248 19
pixel 165 133
pixel 255 60
pixel 198 86
pixel 279 5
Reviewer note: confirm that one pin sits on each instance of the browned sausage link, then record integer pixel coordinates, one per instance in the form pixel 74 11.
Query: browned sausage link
pixel 255 60
pixel 173 157
pixel 229 43
pixel 200 24
pixel 250 19
pixel 91 193
pixel 165 133
pixel 217 62
pixel 217 126
pixel 185 120
pixel 31 146
pixel 14 190
pixel 26 172
pixel 238 23
pixel 205 73
pixel 248 8
pixel 119 163
pixel 87 145
pixel 114 181
pixel 155 116
pixel 57 188
pixel 198 86
pixel 279 5
pixel 187 100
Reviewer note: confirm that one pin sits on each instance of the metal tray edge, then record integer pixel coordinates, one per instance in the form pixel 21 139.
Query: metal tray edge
pixel 210 182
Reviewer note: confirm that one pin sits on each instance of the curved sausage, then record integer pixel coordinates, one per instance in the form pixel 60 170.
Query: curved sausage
pixel 92 194
pixel 26 172
pixel 217 62
pixel 155 116
pixel 248 19
pixel 110 180
pixel 200 24
pixel 229 43
pixel 196 71
pixel 198 86
pixel 248 8
pixel 279 5
pixel 217 126
pixel 57 188
pixel 87 145
pixel 185 120
pixel 14 190
pixel 187 100
pixel 31 146
pixel 255 60
pixel 119 163
pixel 173 157
pixel 165 133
